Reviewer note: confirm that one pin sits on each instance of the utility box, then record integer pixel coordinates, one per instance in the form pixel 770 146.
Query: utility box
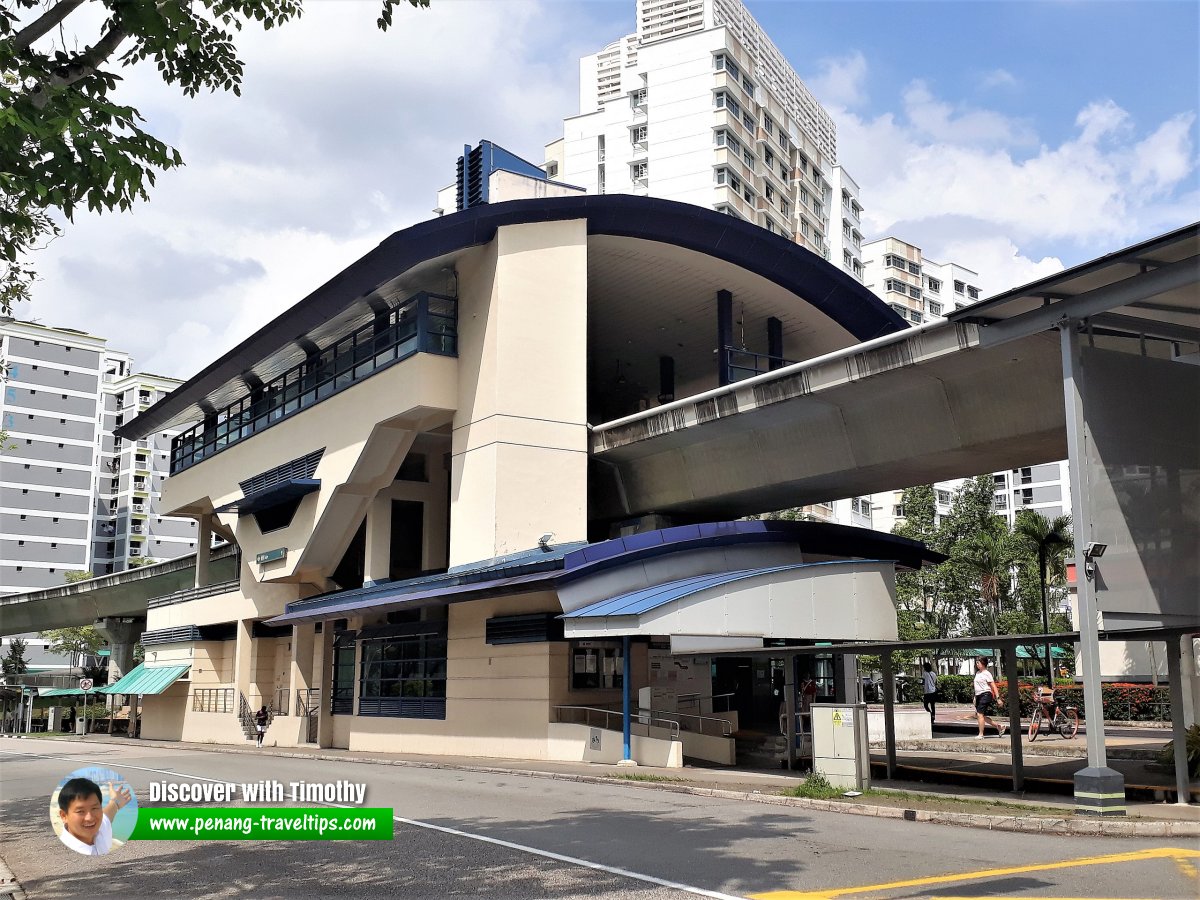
pixel 55 716
pixel 839 740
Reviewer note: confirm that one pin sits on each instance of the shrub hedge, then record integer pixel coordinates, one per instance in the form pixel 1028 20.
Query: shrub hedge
pixel 1122 702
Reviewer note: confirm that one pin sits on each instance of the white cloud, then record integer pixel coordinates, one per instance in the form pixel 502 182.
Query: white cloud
pixel 841 81
pixel 342 135
pixel 998 78
pixel 979 188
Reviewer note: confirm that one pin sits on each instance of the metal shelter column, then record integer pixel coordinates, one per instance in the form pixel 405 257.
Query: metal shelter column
pixel 1099 790
pixel 889 712
pixel 789 709
pixel 1178 731
pixel 1009 660
pixel 626 678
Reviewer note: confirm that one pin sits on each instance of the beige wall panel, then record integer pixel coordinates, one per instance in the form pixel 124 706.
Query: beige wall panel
pixel 212 728
pixel 162 714
pixel 521 418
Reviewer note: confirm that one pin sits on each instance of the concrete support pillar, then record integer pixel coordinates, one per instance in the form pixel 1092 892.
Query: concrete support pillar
pixel 520 446
pixel 122 634
pixel 378 554
pixel 1009 657
pixel 203 550
pixel 889 711
pixel 1178 730
pixel 324 684
pixel 243 659
pixel 724 336
pixel 300 669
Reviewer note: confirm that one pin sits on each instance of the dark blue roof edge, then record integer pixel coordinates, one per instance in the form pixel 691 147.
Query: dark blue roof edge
pixel 824 286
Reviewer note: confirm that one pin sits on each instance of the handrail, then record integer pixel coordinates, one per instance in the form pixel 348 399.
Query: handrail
pixel 723 724
pixel 647 722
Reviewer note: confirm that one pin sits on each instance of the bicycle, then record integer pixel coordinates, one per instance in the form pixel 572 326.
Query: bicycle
pixel 1064 720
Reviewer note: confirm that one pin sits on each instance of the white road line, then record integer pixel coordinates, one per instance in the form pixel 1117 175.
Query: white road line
pixel 522 848
pixel 572 860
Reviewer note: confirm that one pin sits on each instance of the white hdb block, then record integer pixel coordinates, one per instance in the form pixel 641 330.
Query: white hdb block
pixel 840 748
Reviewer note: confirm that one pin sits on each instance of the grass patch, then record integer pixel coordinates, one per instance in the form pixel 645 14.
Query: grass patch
pixel 915 800
pixel 814 787
pixel 634 776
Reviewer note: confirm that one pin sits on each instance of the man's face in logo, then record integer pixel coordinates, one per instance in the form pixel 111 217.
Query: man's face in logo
pixel 83 818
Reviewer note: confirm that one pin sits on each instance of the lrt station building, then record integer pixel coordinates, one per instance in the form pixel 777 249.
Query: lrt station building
pixel 430 558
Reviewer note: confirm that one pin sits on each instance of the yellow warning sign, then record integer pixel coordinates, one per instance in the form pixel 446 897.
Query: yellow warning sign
pixel 845 719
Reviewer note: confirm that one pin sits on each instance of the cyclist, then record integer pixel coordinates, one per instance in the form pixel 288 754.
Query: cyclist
pixel 1046 697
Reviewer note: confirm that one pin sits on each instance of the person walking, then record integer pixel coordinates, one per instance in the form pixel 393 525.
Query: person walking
pixel 929 693
pixel 986 693
pixel 262 719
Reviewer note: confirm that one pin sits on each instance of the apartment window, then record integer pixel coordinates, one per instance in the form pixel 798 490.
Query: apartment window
pixel 943 497
pixel 638 97
pixel 552 170
pixel 998 479
pixel 748 194
pixel 639 170
pixel 639 134
pixel 895 262
pixel 898 510
pixel 803 196
pixel 722 176
pixel 748 85
pixel 902 310
pixel 935 308
pixel 768 125
pixel 722 63
pixel 846 257
pixel 1001 502
pixel 959 287
pixel 933 285
pixel 748 121
pixel 819 209
pixel 768 158
pixel 767 189
pixel 914 269
pixel 724 101
pixel 914 292
pixel 973 293
pixel 748 159
pixel 785 207
pixel 783 173
pixel 893 284
pixel 914 317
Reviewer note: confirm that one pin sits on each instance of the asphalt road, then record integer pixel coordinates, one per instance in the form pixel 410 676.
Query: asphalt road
pixel 472 834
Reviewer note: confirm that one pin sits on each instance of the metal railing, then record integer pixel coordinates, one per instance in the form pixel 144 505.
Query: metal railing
pixel 693 723
pixel 281 705
pixel 604 718
pixel 425 323
pixel 742 364
pixel 209 590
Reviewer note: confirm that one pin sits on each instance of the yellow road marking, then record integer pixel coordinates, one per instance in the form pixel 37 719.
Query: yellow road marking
pixel 1179 854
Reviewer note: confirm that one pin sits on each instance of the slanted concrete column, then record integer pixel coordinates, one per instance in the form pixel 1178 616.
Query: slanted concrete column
pixel 203 549
pixel 1189 649
pixel 121 634
pixel 520 445
pixel 378 551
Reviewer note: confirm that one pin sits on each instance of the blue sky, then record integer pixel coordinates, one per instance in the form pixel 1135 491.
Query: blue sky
pixel 1014 138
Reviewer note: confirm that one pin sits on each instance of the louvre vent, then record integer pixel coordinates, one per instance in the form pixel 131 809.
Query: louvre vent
pixel 534 628
pixel 302 467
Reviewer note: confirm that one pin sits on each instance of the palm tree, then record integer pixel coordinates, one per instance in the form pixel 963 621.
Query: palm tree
pixel 1051 538
pixel 988 558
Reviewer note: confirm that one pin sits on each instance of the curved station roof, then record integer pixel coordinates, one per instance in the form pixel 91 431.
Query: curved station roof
pixel 652 265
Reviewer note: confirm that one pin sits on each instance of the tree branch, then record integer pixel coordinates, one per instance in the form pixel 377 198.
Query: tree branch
pixel 82 66
pixel 45 23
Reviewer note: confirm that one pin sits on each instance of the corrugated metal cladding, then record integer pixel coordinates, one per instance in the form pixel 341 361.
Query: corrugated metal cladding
pixel 301 467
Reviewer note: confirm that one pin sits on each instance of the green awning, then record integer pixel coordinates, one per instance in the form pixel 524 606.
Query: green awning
pixel 61 692
pixel 141 680
pixel 1022 652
